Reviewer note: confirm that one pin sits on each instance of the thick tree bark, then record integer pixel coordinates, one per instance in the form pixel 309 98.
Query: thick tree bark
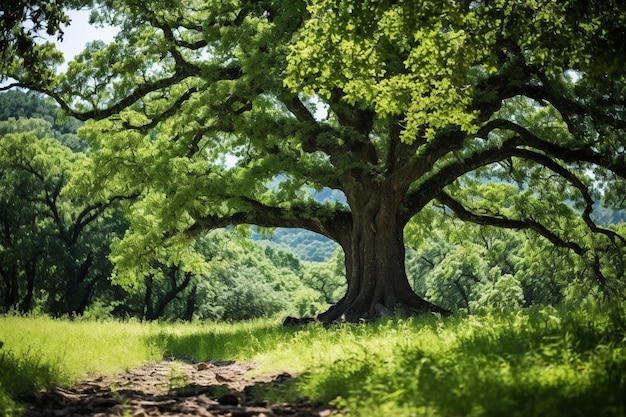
pixel 77 291
pixel 154 309
pixel 30 272
pixel 190 304
pixel 148 312
pixel 375 263
pixel 11 297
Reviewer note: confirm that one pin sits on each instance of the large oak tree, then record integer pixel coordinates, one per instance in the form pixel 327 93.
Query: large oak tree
pixel 503 113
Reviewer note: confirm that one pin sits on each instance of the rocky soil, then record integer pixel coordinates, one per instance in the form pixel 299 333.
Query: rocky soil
pixel 173 389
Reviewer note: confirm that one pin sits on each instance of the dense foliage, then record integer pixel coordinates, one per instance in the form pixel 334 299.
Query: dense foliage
pixel 54 248
pixel 22 24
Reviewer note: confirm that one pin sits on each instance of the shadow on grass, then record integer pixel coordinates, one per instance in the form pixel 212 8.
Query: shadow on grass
pixel 21 376
pixel 479 386
pixel 236 342
pixel 520 365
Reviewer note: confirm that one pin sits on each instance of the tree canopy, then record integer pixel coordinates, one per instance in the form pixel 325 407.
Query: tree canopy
pixel 22 26
pixel 501 113
pixel 54 250
pixel 52 242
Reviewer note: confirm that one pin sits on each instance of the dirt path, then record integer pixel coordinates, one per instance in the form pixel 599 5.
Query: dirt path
pixel 172 389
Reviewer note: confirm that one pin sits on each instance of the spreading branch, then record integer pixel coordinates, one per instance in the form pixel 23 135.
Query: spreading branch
pixel 310 217
pixel 503 222
pixel 431 187
pixel 578 184
pixel 566 154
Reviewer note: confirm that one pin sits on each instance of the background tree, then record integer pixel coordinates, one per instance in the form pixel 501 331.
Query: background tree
pixel 496 110
pixel 21 241
pixel 463 266
pixel 327 278
pixel 53 246
pixel 19 105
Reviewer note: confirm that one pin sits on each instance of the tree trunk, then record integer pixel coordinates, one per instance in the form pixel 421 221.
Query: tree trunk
pixel 156 309
pixel 148 312
pixel 190 304
pixel 375 263
pixel 12 295
pixel 30 272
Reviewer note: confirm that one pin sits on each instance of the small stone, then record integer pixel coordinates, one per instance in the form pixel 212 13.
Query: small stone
pixel 202 366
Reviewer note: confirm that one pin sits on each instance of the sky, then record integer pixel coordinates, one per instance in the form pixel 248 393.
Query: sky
pixel 76 36
pixel 80 32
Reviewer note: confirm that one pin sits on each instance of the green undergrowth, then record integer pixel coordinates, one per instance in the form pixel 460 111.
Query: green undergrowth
pixel 40 352
pixel 542 362
pixel 534 362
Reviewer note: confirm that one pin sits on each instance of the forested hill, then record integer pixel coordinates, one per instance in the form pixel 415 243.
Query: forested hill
pixel 606 216
pixel 307 246
pixel 18 106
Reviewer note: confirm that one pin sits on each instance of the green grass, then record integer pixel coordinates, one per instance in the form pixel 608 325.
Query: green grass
pixel 536 362
pixel 42 352
pixel 531 363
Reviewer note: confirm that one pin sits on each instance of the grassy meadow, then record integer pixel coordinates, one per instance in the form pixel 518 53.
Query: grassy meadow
pixel 534 362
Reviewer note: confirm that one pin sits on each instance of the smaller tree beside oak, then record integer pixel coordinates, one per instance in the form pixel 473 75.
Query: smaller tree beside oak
pixel 53 245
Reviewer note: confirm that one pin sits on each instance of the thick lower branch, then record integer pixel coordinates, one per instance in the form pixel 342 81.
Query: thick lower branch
pixel 505 223
pixel 333 225
pixel 578 184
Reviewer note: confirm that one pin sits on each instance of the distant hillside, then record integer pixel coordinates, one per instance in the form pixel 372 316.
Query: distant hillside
pixel 19 105
pixel 306 245
pixel 16 104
